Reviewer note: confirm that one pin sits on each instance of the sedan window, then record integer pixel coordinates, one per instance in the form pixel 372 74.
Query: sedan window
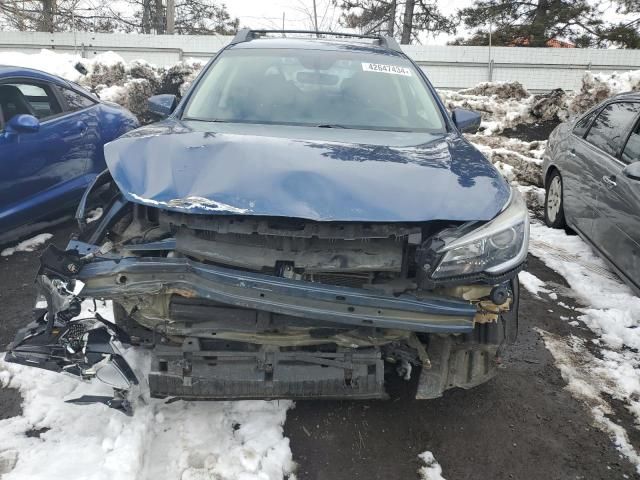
pixel 583 124
pixel 609 130
pixel 25 98
pixel 631 152
pixel 76 101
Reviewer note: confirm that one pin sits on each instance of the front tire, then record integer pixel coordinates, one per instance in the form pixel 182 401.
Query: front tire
pixel 553 203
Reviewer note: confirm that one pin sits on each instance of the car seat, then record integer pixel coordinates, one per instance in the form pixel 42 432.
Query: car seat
pixel 13 102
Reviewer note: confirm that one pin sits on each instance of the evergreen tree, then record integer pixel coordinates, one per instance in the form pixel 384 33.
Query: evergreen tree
pixel 535 22
pixel 410 17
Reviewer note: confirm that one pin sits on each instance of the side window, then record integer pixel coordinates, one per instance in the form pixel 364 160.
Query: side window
pixel 75 101
pixel 26 98
pixel 609 130
pixel 581 127
pixel 631 152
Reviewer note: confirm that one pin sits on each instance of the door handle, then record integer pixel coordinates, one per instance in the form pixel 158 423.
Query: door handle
pixel 610 182
pixel 572 152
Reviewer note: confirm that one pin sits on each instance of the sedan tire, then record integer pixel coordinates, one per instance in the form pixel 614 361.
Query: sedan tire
pixel 553 204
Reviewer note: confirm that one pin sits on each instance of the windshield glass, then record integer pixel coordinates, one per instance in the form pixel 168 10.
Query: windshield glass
pixel 315 88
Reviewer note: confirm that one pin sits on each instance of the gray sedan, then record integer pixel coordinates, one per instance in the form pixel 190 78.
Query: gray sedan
pixel 592 178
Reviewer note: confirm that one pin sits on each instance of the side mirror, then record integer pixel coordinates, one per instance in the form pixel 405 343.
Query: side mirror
pixel 23 124
pixel 162 105
pixel 467 121
pixel 632 171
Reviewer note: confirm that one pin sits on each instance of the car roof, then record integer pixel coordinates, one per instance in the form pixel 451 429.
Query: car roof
pixel 315 44
pixel 13 71
pixel 8 71
pixel 627 96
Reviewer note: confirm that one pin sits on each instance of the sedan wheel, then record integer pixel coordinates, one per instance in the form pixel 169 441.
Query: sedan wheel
pixel 553 205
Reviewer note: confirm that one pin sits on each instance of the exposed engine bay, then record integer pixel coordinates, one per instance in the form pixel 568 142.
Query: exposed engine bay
pixel 237 306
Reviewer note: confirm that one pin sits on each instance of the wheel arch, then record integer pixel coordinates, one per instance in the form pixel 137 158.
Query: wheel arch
pixel 549 172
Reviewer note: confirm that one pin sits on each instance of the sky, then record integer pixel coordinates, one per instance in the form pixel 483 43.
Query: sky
pixel 298 14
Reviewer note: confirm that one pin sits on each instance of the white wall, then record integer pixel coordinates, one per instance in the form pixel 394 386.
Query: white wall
pixel 538 69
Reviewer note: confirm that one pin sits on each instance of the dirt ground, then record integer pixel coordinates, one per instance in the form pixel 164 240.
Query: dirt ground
pixel 522 425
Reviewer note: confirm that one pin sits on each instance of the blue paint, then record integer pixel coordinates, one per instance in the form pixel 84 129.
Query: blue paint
pixel 44 172
pixel 306 172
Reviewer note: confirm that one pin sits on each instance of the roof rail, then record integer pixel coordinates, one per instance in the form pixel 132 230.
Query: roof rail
pixel 246 34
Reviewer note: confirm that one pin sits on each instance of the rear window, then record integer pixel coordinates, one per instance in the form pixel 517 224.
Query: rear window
pixel 610 129
pixel 315 88
pixel 631 152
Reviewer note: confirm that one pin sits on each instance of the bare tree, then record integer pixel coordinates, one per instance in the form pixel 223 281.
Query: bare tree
pixel 326 11
pixel 144 16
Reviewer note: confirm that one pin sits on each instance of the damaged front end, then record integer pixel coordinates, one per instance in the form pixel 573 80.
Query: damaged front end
pixel 239 306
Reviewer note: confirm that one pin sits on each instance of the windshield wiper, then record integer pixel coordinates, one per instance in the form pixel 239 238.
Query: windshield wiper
pixel 212 120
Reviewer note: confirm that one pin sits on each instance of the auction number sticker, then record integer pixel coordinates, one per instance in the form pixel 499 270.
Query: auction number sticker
pixel 392 69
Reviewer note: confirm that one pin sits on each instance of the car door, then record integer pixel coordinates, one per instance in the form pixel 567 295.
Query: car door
pixel 42 172
pixel 84 112
pixel 579 177
pixel 616 222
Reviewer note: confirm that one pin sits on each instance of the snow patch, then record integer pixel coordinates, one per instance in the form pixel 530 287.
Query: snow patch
pixel 431 470
pixel 28 245
pixel 532 283
pixel 179 440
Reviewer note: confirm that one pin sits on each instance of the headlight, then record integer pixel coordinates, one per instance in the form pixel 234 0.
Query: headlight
pixel 495 247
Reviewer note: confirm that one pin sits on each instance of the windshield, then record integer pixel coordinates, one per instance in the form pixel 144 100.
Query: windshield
pixel 315 88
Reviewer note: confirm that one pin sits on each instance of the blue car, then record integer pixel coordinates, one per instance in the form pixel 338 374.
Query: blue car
pixel 52 134
pixel 308 220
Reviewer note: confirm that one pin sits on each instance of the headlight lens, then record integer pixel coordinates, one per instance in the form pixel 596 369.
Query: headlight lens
pixel 495 247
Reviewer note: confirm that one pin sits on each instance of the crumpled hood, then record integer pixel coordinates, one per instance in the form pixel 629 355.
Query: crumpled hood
pixel 310 173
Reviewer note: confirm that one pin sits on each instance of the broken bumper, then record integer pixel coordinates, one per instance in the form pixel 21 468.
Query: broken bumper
pixel 197 369
pixel 144 276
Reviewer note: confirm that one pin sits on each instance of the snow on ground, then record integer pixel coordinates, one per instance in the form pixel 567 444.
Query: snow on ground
pixel 431 470
pixel 518 160
pixel 174 441
pixel 502 105
pixel 612 311
pixel 508 104
pixel 28 245
pixel 589 378
pixel 532 283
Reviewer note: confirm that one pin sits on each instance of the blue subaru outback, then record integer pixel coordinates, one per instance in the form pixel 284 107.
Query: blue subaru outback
pixel 306 220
